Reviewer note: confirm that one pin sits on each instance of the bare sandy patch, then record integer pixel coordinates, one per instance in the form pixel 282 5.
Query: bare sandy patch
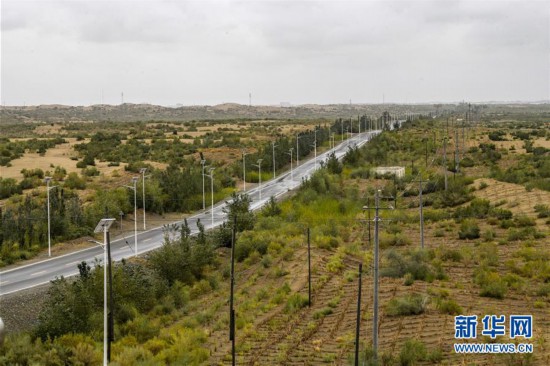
pixel 57 156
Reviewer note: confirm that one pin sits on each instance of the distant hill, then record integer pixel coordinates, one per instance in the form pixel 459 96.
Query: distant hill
pixel 147 112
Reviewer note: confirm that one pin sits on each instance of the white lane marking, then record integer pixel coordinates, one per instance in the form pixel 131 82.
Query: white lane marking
pixel 147 240
pixel 3 282
pixel 72 264
pixel 37 273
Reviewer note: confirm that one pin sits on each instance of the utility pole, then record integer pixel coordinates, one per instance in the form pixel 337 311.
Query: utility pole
pixel 375 317
pixel 231 309
pixel 376 274
pixel 457 158
pixel 445 159
pixel 421 212
pixel 368 219
pixel 244 171
pixel 273 146
pixel 358 321
pixel 308 269
pixel 463 137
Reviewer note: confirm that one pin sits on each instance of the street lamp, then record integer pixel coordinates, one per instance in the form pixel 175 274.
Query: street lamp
pixel 297 150
pixel 244 171
pixel 203 196
pixel 314 146
pixel 142 171
pixel 211 176
pixel 273 146
pixel 2 331
pixel 48 180
pixel 103 226
pixel 259 165
pixel 290 153
pixel 134 188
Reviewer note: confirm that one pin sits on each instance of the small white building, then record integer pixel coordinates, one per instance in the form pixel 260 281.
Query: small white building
pixel 398 171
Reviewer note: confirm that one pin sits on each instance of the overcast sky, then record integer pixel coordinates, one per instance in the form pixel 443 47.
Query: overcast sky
pixel 169 52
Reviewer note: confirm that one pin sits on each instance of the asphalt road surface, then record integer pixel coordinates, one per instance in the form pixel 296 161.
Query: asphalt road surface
pixel 38 273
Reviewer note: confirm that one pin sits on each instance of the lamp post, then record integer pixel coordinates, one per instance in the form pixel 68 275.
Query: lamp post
pixel 273 146
pixel 2 331
pixel 134 188
pixel 259 165
pixel 142 171
pixel 48 180
pixel 244 171
pixel 290 153
pixel 203 196
pixel 211 176
pixel 103 226
pixel 297 151
pixel 314 146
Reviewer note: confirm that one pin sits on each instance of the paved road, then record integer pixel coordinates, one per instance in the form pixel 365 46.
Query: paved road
pixel 38 273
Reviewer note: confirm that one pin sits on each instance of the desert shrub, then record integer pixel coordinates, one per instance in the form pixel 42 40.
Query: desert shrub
pixel 295 302
pixel 389 240
pixel 73 181
pixel 413 304
pixel 451 255
pixel 417 263
pixel 543 290
pixel 488 253
pixel 319 314
pixel 488 235
pixel 408 279
pixel 251 241
pixel 449 306
pixel 542 211
pixel 8 187
pixel 412 351
pixel 469 229
pixel 523 221
pixel 133 355
pixel 491 283
pixel 90 171
pixel 335 263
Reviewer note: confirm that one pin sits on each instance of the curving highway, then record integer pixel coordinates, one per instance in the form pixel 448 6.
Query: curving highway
pixel 42 272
